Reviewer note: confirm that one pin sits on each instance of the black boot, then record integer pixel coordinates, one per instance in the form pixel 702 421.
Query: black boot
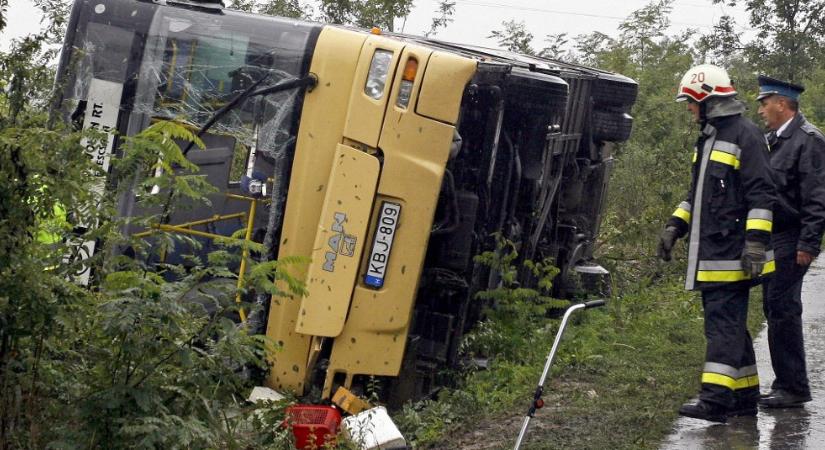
pixel 744 409
pixel 745 402
pixel 705 411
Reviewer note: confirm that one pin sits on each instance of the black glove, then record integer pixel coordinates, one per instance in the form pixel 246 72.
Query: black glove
pixel 666 241
pixel 753 258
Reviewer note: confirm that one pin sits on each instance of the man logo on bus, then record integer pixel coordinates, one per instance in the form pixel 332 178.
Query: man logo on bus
pixel 339 243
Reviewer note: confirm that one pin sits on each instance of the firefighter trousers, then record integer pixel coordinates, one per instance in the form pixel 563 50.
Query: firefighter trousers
pixel 783 310
pixel 729 377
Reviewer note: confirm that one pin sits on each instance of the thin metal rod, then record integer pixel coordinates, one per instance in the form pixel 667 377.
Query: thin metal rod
pixel 245 255
pixel 177 229
pixel 552 355
pixel 546 371
pixel 184 228
pixel 187 225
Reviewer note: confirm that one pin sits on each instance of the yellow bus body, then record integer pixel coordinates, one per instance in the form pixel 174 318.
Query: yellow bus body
pixel 368 327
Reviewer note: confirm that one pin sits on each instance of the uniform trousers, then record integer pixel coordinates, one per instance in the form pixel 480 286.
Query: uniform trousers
pixel 729 378
pixel 783 309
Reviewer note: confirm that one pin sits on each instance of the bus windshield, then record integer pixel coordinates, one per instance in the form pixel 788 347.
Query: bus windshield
pixel 178 63
pixel 195 63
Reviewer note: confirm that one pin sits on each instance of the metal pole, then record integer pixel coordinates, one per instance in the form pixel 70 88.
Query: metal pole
pixel 537 401
pixel 250 224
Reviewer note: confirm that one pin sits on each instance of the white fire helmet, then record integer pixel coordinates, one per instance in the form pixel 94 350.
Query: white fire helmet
pixel 703 82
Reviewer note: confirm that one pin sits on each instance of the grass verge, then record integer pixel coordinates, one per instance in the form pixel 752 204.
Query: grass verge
pixel 617 381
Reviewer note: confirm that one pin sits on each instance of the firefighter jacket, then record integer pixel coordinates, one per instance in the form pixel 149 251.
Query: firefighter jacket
pixel 730 199
pixel 798 161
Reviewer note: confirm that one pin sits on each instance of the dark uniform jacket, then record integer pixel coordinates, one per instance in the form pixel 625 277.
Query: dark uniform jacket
pixel 798 161
pixel 731 198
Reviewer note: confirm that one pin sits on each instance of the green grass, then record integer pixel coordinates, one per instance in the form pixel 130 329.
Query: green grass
pixel 620 375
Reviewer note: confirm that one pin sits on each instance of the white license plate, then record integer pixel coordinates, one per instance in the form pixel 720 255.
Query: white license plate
pixel 382 244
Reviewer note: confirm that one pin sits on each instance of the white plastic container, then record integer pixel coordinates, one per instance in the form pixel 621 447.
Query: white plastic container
pixel 264 393
pixel 373 430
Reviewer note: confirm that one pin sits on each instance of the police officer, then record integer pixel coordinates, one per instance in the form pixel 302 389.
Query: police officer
pixel 798 160
pixel 727 214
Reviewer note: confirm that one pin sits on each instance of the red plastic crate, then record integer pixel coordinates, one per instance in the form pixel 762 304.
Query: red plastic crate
pixel 312 425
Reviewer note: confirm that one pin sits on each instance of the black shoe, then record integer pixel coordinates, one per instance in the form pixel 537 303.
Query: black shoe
pixel 780 398
pixel 705 411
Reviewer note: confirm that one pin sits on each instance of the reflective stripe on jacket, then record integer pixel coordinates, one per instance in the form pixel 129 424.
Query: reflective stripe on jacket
pixel 731 199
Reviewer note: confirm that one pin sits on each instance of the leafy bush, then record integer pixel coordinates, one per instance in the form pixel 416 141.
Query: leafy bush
pixel 151 357
pixel 513 313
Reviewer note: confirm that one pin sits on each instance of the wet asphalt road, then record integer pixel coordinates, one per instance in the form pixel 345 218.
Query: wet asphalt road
pixel 802 428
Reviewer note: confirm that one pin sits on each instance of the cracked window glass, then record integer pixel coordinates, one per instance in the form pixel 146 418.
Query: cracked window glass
pixel 186 64
pixel 195 65
pixel 102 51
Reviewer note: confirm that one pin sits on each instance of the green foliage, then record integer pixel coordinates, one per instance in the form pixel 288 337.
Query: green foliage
pixel 511 337
pixel 723 45
pixel 360 13
pixel 139 363
pixel 365 13
pixel 630 363
pixel 514 37
pixel 427 421
pixel 155 154
pixel 555 47
pixel 789 37
pixel 443 17
pixel 282 8
pixel 513 313
pixel 653 168
pixel 152 356
pixel 645 26
pixel 813 100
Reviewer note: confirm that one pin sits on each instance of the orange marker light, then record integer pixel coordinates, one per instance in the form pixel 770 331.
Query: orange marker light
pixel 375 30
pixel 410 69
pixel 407 80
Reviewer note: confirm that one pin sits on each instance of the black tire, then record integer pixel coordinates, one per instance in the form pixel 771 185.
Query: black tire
pixel 536 93
pixel 614 90
pixel 611 126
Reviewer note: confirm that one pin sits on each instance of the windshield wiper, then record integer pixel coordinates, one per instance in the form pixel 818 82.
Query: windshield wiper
pixel 308 81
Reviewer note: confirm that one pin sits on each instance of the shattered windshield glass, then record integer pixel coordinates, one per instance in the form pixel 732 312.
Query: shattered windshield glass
pixel 195 63
pixel 185 64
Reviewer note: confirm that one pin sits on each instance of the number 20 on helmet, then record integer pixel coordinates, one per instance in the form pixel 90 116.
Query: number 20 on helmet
pixel 703 82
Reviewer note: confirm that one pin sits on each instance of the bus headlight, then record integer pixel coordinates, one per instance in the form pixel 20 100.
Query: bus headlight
pixel 377 77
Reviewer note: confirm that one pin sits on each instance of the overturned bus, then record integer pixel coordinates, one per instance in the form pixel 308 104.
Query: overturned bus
pixel 388 161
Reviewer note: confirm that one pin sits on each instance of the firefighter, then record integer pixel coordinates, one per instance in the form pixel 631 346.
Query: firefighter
pixel 728 218
pixel 797 158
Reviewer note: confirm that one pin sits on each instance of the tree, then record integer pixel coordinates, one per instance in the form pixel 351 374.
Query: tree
pixel 645 25
pixel 514 37
pixel 790 38
pixel 282 8
pixel 286 8
pixel 589 47
pixel 365 13
pixel 444 16
pixel 555 48
pixel 722 45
